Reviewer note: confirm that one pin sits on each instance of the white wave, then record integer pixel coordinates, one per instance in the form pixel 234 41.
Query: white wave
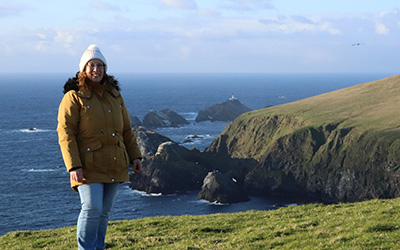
pixel 142 193
pixel 34 130
pixel 191 142
pixel 194 137
pixel 198 136
pixel 214 203
pixel 40 170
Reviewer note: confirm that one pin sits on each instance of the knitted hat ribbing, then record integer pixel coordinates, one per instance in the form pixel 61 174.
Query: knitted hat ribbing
pixel 92 52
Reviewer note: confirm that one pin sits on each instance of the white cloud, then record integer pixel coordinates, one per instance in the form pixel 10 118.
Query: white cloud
pixel 207 38
pixel 64 37
pixel 381 29
pixel 298 24
pixel 42 35
pixel 387 20
pixel 41 45
pixel 179 4
pixel 392 12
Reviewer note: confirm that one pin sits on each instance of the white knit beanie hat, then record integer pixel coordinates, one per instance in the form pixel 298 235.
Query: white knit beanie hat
pixel 92 52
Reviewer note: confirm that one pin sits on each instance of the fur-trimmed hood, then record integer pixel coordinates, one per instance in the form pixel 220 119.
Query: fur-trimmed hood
pixel 72 83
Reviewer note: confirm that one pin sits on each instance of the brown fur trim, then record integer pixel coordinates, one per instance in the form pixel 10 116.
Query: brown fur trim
pixel 73 83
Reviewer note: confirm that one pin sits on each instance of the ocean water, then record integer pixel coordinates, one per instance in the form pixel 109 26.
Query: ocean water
pixel 35 192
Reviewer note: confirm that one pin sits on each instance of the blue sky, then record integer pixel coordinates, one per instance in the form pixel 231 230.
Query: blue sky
pixel 271 36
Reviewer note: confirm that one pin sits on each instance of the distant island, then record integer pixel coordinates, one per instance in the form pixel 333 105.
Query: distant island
pixel 226 111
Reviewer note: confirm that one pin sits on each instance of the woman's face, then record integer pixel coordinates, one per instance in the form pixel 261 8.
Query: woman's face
pixel 95 70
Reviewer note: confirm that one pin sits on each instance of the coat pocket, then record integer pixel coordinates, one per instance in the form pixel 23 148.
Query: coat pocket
pixel 91 149
pixel 123 154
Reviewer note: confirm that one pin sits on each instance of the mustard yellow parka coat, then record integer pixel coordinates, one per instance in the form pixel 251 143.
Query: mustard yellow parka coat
pixel 94 131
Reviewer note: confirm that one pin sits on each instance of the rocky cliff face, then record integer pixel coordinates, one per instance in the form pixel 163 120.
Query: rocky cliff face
pixel 148 141
pixel 324 162
pixel 169 167
pixel 172 168
pixel 218 187
pixel 324 147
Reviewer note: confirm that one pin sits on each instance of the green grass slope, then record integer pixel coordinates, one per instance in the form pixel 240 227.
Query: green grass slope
pixel 371 106
pixel 366 225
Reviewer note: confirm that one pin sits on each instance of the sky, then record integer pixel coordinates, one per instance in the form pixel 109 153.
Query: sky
pixel 202 36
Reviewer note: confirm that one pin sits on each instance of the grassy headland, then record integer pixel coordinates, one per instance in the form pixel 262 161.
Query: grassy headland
pixel 373 224
pixel 369 107
pixel 339 146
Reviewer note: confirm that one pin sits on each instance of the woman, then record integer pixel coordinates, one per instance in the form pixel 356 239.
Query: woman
pixel 97 144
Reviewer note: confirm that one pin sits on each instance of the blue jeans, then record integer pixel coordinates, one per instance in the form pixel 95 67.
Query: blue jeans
pixel 96 202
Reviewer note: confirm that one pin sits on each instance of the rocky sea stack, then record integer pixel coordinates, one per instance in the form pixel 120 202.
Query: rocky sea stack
pixel 226 111
pixel 173 168
pixel 163 118
pixel 218 187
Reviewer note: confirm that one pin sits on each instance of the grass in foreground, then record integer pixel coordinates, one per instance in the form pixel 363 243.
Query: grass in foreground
pixel 372 224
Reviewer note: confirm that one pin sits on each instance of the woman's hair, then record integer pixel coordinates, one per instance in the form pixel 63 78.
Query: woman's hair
pixel 80 82
pixel 83 83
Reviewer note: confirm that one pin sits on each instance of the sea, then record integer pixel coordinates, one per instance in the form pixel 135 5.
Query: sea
pixel 35 193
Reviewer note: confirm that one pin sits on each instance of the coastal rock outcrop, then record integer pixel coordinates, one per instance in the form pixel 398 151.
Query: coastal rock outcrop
pixel 218 187
pixel 226 111
pixel 173 168
pixel 148 141
pixel 163 118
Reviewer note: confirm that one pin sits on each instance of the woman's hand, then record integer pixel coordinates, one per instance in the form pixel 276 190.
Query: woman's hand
pixel 77 175
pixel 137 166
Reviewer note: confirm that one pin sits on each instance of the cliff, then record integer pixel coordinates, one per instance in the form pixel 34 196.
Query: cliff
pixel 339 146
pixel 171 169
